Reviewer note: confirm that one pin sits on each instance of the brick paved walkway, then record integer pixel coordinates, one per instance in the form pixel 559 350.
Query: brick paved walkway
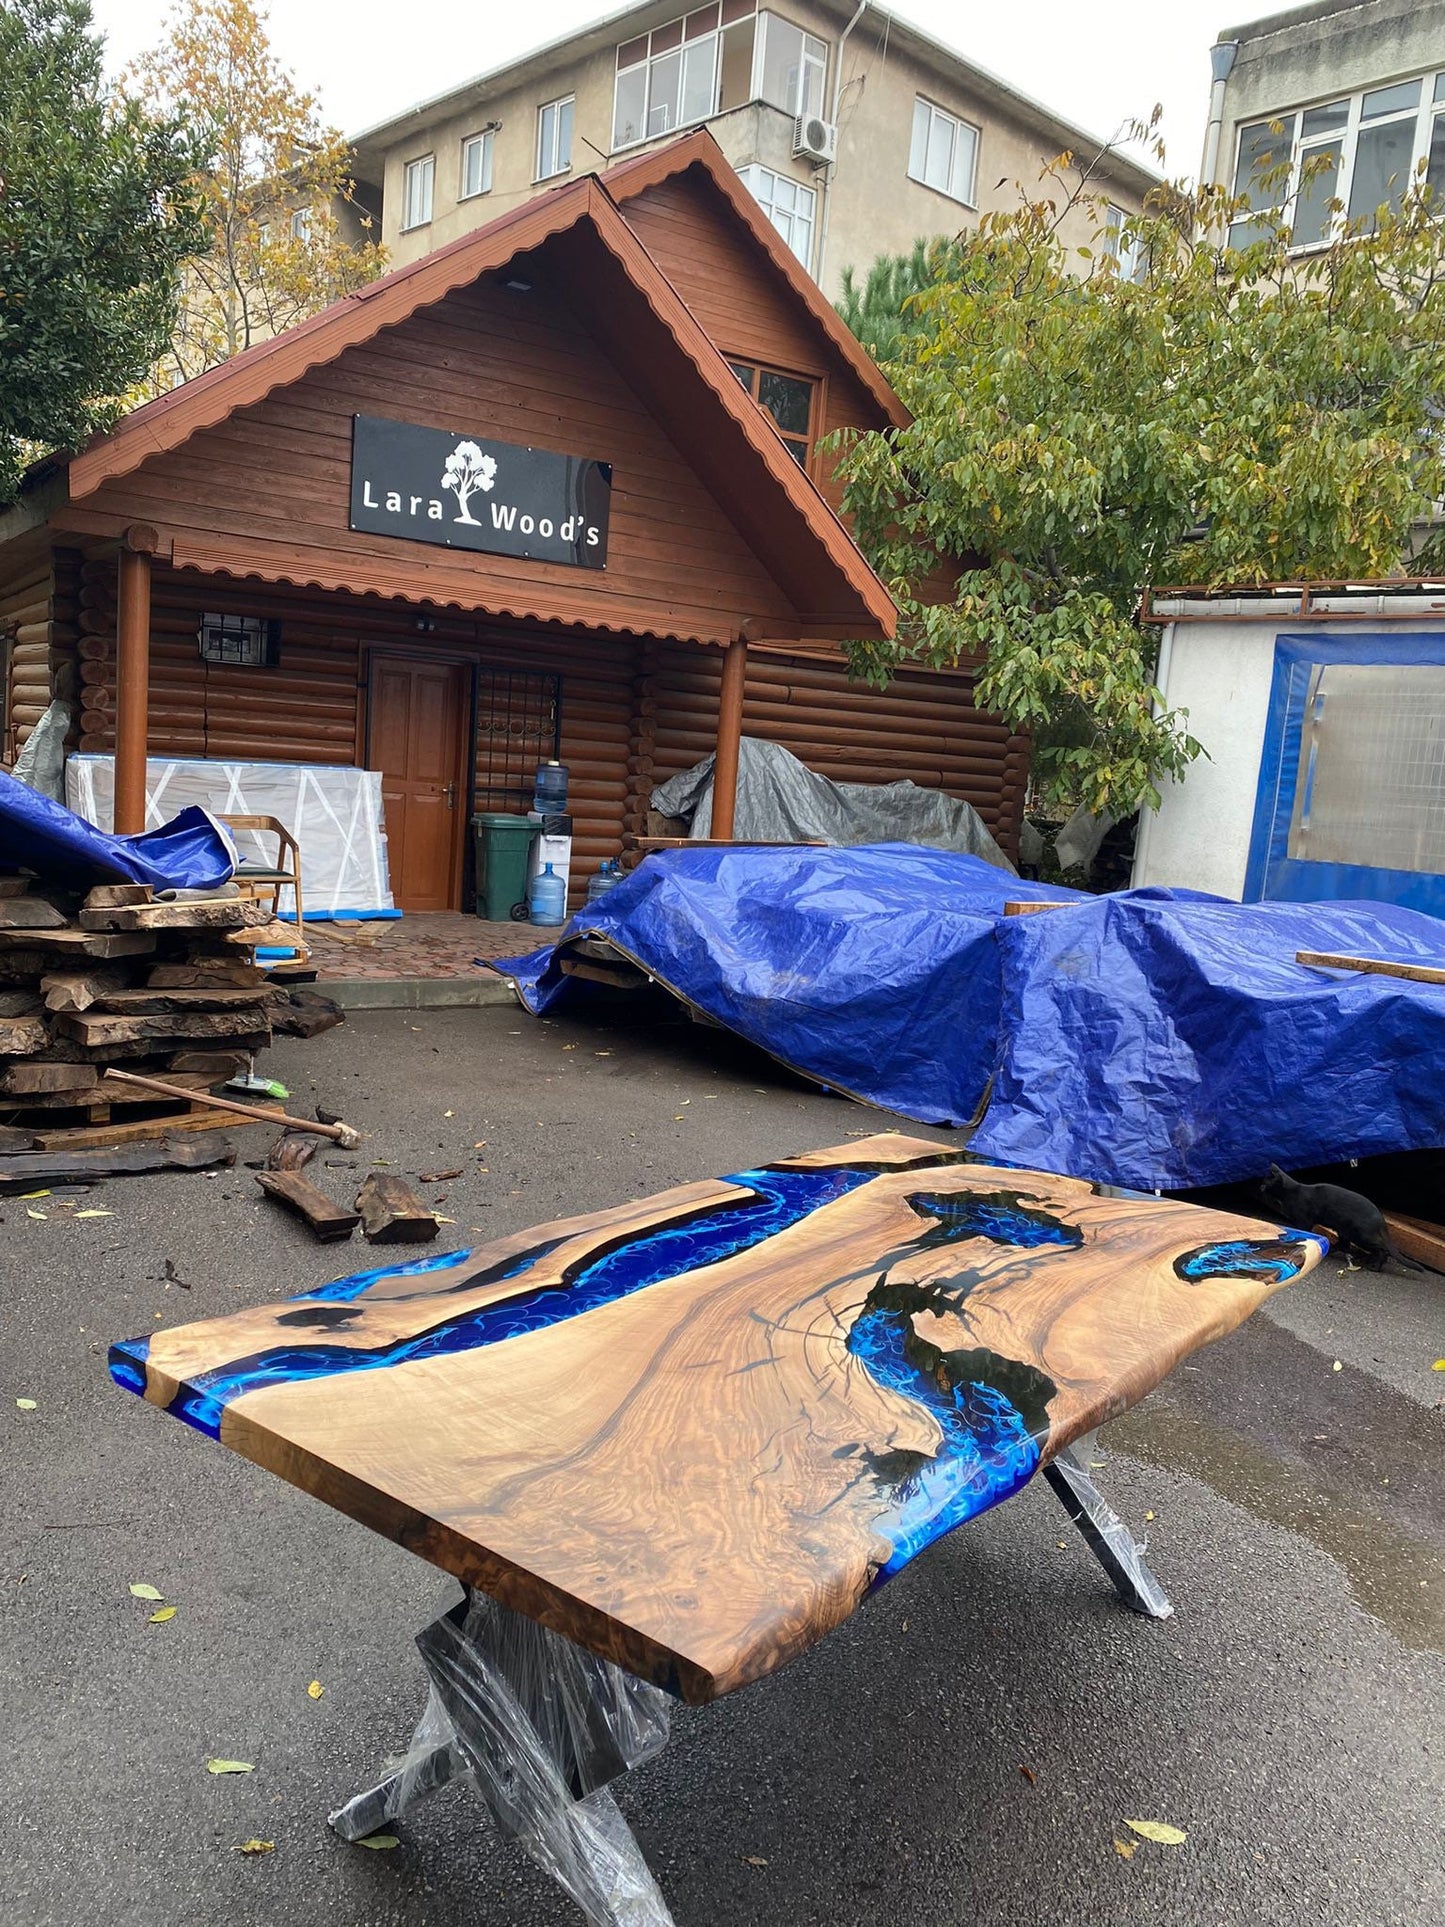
pixel 443 944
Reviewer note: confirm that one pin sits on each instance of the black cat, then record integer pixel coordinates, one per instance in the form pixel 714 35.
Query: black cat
pixel 1353 1221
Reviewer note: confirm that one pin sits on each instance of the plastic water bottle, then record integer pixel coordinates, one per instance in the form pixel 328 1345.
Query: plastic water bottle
pixel 606 878
pixel 549 790
pixel 547 898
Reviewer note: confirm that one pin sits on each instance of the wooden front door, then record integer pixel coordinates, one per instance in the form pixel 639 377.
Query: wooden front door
pixel 418 711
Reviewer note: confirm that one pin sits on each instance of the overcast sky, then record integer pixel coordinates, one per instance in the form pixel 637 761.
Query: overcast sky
pixel 1097 64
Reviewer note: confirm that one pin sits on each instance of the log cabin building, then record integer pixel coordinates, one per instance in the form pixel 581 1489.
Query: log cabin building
pixel 552 489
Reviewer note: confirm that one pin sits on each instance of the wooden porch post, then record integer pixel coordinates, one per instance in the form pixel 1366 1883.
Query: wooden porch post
pixel 729 734
pixel 132 677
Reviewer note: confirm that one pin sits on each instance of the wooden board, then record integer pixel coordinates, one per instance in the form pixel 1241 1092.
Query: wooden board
pixel 80 943
pixel 693 1431
pixel 1371 966
pixel 323 1217
pixel 57 1166
pixel 206 913
pixel 1417 1238
pixel 95 1030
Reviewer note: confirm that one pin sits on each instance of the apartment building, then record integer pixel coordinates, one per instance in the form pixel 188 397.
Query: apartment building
pixel 855 131
pixel 1326 112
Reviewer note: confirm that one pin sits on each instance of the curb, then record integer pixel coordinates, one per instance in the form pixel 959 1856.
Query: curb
pixel 418 993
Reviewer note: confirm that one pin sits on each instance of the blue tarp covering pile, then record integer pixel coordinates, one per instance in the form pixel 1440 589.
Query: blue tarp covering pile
pixel 191 852
pixel 1165 1040
pixel 873 969
pixel 1156 1039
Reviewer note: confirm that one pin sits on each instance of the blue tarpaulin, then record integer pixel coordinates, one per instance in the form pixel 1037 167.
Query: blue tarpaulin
pixel 1155 1039
pixel 1165 1040
pixel 872 969
pixel 191 852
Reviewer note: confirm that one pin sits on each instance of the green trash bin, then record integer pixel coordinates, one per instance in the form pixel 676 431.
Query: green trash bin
pixel 502 844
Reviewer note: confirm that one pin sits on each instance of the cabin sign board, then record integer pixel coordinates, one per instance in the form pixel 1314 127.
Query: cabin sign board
pixel 450 487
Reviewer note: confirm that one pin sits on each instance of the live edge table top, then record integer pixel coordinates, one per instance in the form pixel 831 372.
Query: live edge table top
pixel 693 1431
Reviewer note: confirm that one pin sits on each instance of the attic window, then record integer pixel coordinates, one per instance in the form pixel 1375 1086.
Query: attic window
pixel 247 642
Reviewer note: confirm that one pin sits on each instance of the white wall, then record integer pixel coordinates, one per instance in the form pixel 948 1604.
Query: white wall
pixel 1221 672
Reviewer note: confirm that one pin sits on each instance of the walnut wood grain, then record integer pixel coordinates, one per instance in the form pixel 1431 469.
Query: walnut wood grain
pixel 702 1475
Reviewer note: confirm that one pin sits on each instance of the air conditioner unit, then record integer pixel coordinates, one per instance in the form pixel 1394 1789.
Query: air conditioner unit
pixel 815 139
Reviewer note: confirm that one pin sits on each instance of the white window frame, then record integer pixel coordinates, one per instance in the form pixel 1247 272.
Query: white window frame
pixel 549 161
pixel 484 171
pixel 1128 250
pixel 962 191
pixel 1427 110
pixel 809 79
pixel 422 169
pixel 763 184
pixel 301 224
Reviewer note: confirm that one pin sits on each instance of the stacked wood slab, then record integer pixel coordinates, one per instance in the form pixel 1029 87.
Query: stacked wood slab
pixel 116 978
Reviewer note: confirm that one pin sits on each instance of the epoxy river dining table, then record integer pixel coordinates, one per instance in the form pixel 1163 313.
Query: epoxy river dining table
pixel 668 1446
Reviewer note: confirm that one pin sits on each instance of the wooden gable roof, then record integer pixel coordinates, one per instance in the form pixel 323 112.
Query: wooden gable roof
pixel 817 586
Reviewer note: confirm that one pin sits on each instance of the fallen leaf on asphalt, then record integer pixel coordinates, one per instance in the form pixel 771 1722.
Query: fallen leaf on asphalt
pixel 95 1214
pixel 1126 1849
pixel 229 1766
pixel 679 1119
pixel 1439 1365
pixel 1148 1518
pixel 437 1177
pixel 255 1846
pixel 448 1113
pixel 159 1617
pixel 569 1047
pixel 26 1404
pixel 754 1860
pixel 1159 1831
pixel 1029 1774
pixel 35 1194
pixel 1337 1366
pixel 379 1841
pixel 315 1689
pixel 446 1220
pixel 142 1591
pixel 34 1214
pixel 602 1053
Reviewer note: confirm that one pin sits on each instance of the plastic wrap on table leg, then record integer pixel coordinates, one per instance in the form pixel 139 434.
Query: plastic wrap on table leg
pixel 542 1726
pixel 1110 1540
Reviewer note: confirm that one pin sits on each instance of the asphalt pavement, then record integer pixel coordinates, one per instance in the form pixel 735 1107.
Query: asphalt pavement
pixel 967 1748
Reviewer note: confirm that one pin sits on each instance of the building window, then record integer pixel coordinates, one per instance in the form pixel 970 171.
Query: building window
pixel 1125 248
pixel 417 192
pixel 943 153
pixel 250 642
pixel 1317 167
pixel 554 138
pixel 301 224
pixel 711 60
pixel 789 399
pixel 788 204
pixel 476 169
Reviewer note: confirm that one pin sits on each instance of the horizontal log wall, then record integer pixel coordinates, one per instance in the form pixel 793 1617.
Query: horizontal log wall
pixel 923 727
pixel 39 605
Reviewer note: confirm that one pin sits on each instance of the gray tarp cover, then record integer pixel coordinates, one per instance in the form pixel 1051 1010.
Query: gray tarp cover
pixel 781 800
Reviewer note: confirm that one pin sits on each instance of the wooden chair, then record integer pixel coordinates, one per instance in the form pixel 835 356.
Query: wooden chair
pixel 257 880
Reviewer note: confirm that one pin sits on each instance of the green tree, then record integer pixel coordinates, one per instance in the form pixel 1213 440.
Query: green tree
pixel 96 217
pixel 285 234
pixel 882 311
pixel 1220 416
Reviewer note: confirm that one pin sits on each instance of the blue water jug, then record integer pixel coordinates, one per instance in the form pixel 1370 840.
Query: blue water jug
pixel 549 790
pixel 547 898
pixel 606 878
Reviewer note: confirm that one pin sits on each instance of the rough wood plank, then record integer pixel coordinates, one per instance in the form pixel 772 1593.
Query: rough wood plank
pixel 215 1066
pixel 151 1130
pixel 29 1079
pixel 303 1013
pixel 209 913
pixel 392 1213
pixel 58 1166
pixel 102 1096
pixel 112 896
pixel 13 1139
pixel 92 1028
pixel 80 943
pixel 79 989
pixel 232 973
pixel 22 1036
pixel 1371 966
pixel 278 935
pixel 14 886
pixel 19 1003
pixel 1418 1239
pixel 1026 908
pixel 157 1003
pixel 695 1454
pixel 30 913
pixel 293 1149
pixel 22 966
pixel 326 1221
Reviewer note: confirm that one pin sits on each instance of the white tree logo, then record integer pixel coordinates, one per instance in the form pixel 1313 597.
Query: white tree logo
pixel 467 470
